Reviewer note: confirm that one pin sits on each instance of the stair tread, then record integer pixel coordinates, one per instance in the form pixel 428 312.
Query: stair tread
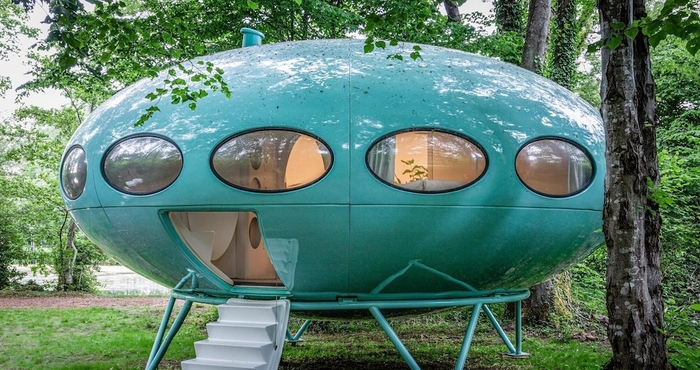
pixel 243 324
pixel 234 343
pixel 223 364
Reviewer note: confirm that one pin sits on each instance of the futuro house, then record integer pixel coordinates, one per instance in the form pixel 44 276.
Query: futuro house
pixel 340 181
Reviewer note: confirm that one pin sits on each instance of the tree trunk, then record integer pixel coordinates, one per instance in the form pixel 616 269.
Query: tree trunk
pixel 452 10
pixel 536 35
pixel 538 307
pixel 565 43
pixel 68 270
pixel 509 15
pixel 631 220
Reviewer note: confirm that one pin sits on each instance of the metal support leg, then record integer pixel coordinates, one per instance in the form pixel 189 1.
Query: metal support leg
pixel 518 333
pixel 394 338
pixel 300 332
pixel 160 345
pixel 468 336
pixel 500 331
pixel 518 327
pixel 158 350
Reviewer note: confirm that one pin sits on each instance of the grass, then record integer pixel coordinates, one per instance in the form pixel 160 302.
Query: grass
pixel 110 338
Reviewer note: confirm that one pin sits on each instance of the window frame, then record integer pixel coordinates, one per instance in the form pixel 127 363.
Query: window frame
pixel 63 162
pixel 270 128
pixel 136 136
pixel 460 135
pixel 566 140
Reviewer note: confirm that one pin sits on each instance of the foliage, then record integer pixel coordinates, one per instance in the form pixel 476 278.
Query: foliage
pixel 678 95
pixel 34 140
pixel 12 27
pixel 10 243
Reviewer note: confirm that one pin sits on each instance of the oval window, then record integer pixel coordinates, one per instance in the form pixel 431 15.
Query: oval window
pixel 271 160
pixel 142 164
pixel 74 173
pixel 426 161
pixel 553 167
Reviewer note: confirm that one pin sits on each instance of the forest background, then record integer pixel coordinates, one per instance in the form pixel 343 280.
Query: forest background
pixel 89 55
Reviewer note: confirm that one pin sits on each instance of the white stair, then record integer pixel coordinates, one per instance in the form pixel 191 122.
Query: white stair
pixel 249 335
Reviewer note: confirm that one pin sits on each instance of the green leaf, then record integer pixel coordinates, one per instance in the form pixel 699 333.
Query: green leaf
pixel 67 61
pixel 415 55
pixel 298 2
pixel 614 42
pixel 632 32
pixel 253 5
pixel 393 42
pixel 193 106
pixel 380 44
pixel 695 307
pixel 656 38
pixel 369 48
pixel 618 26
pixel 417 48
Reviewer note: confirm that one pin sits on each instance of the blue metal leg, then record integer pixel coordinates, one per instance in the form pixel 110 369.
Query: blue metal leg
pixel 500 331
pixel 162 347
pixel 517 352
pixel 300 332
pixel 518 327
pixel 468 336
pixel 394 338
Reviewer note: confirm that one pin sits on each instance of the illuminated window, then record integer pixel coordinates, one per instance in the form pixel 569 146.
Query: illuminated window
pixel 271 160
pixel 74 172
pixel 426 161
pixel 142 165
pixel 554 167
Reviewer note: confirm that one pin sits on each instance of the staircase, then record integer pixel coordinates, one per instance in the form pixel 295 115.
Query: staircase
pixel 249 335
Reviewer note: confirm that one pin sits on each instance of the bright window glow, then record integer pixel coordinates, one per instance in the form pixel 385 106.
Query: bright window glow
pixel 426 161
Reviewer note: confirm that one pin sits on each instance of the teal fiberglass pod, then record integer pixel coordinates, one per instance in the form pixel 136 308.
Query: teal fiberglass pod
pixel 333 173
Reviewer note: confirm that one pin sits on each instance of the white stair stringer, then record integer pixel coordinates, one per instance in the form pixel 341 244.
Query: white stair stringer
pixel 249 335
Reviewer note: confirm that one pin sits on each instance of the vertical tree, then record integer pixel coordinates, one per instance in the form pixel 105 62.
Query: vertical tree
pixel 539 305
pixel 509 15
pixel 565 43
pixel 631 220
pixel 536 35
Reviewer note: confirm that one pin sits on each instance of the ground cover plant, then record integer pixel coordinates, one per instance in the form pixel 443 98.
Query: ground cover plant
pixel 120 337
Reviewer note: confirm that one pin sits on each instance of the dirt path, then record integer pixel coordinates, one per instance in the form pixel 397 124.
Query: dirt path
pixel 87 301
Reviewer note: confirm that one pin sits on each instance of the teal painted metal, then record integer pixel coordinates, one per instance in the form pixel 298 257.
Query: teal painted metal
pixel 468 336
pixel 160 346
pixel 251 37
pixel 350 235
pixel 410 361
pixel 297 337
pixel 193 294
pixel 499 330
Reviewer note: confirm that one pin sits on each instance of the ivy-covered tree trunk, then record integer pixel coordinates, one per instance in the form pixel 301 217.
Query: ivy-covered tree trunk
pixel 565 43
pixel 631 220
pixel 536 35
pixel 509 15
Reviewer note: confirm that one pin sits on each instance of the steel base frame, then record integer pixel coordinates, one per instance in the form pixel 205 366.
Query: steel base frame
pixel 479 304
